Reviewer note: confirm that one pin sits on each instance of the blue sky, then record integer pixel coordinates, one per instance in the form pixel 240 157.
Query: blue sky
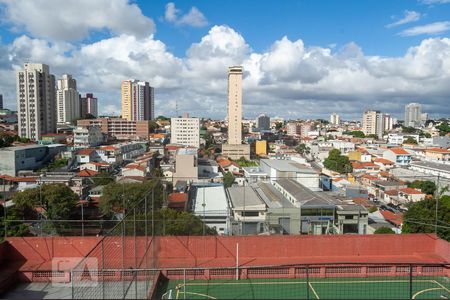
pixel 306 58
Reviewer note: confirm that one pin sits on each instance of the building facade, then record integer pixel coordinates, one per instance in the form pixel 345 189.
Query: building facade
pixel 234 149
pixel 67 100
pixel 36 104
pixel 121 129
pixel 89 136
pixel 413 114
pixel 263 122
pixel 185 131
pixel 373 123
pixel 137 100
pixel 335 119
pixel 88 105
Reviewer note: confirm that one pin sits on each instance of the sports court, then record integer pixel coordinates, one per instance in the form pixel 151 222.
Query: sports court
pixel 316 288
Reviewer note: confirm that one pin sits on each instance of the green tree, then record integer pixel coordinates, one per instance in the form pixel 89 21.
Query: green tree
pixel 384 230
pixel 152 126
pixel 172 222
pixel 372 136
pixel 13 224
pixel 337 162
pixel 102 178
pixel 356 133
pixel 421 217
pixel 302 149
pixel 408 129
pixel 410 140
pixel 426 186
pixel 243 162
pixel 116 196
pixel 443 128
pixel 278 125
pixel 373 209
pixel 228 179
pixel 58 201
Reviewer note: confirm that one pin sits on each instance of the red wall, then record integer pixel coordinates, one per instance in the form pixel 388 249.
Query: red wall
pixel 172 251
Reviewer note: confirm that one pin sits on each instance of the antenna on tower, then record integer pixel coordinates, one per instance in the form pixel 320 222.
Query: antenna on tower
pixel 176 108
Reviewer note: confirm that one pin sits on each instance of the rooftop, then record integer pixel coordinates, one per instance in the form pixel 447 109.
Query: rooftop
pixel 431 165
pixel 245 196
pixel 287 166
pixel 399 151
pixel 305 196
pixel 210 199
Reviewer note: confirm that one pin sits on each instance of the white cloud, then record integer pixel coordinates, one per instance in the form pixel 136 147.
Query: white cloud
pixel 409 16
pixel 430 2
pixel 432 28
pixel 290 78
pixel 194 17
pixel 75 19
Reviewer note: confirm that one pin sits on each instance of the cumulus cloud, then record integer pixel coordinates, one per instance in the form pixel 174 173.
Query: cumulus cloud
pixel 430 2
pixel 409 16
pixel 430 29
pixel 194 17
pixel 289 79
pixel 75 19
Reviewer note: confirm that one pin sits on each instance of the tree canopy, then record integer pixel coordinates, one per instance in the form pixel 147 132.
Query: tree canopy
pixel 410 140
pixel 337 162
pixel 355 133
pixel 421 217
pixel 443 128
pixel 228 179
pixel 426 186
pixel 384 230
pixel 302 149
pixel 58 201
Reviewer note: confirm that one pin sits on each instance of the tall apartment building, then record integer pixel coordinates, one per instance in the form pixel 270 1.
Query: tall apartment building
pixel 413 114
pixel 335 119
pixel 185 131
pixel 388 122
pixel 293 129
pixel 67 100
pixel 121 129
pixel 1 101
pixel 263 122
pixel 373 123
pixel 234 149
pixel 137 100
pixel 88 105
pixel 36 104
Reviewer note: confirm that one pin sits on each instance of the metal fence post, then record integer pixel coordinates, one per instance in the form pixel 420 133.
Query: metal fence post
pixel 307 281
pixel 410 281
pixel 184 283
pixel 103 267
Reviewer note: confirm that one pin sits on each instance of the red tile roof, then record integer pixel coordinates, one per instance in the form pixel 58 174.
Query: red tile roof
pixel 177 197
pixel 223 163
pixel 399 151
pixel 135 167
pixel 438 150
pixel 87 151
pixel 391 193
pixel 87 173
pixel 396 219
pixel 370 177
pixel 109 148
pixel 383 161
pixel 411 191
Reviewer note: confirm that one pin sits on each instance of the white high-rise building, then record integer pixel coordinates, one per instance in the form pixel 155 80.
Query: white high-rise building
pixel 335 119
pixel 388 122
pixel 413 114
pixel 36 104
pixel 234 149
pixel 67 100
pixel 373 123
pixel 263 122
pixel 185 131
pixel 235 105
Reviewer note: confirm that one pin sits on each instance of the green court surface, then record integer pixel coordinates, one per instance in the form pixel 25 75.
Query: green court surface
pixel 318 288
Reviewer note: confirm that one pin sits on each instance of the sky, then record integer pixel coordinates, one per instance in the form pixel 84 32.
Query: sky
pixel 301 59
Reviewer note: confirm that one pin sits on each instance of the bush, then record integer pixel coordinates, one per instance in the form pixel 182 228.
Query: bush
pixel 384 230
pixel 373 209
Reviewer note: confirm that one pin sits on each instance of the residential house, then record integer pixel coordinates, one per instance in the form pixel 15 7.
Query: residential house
pixel 407 195
pixel 437 154
pixel 398 155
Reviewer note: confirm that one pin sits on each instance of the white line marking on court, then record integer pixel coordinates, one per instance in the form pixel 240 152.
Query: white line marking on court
pixel 297 282
pixel 439 284
pixel 424 291
pixel 314 291
pixel 198 294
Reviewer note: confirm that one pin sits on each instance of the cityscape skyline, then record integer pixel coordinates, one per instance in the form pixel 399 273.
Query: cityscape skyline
pixel 291 69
